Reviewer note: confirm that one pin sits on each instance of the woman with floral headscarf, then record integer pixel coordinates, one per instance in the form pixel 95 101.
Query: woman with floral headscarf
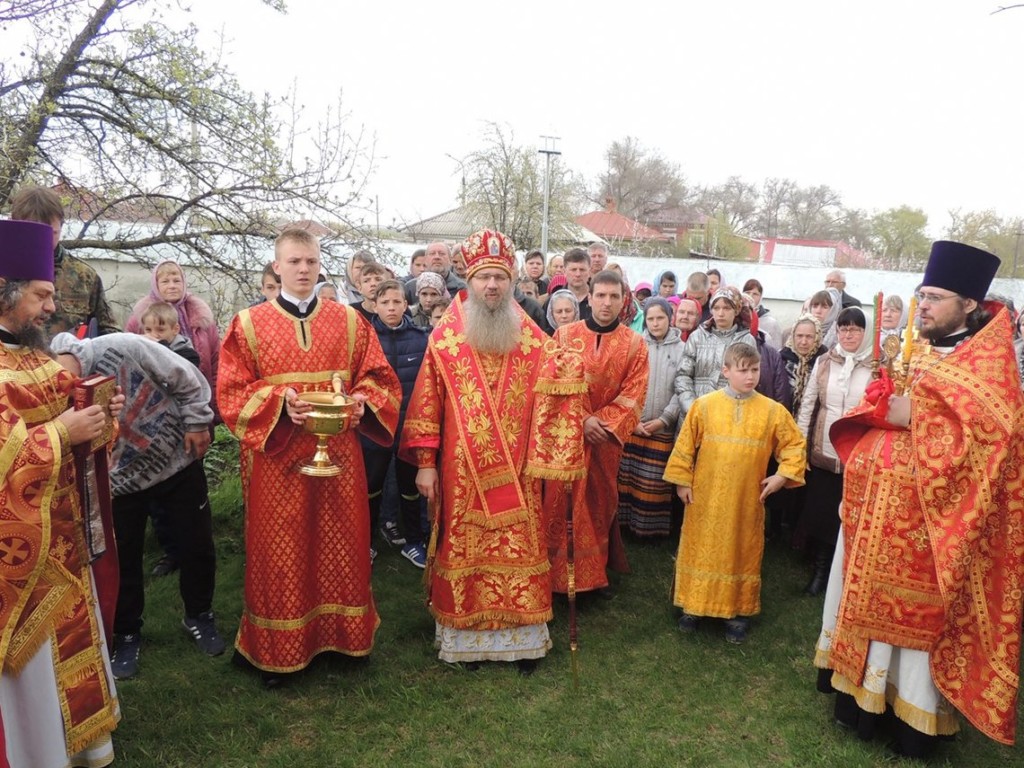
pixel 836 385
pixel 802 350
pixel 799 354
pixel 700 369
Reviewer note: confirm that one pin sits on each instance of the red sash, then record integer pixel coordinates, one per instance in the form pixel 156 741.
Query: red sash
pixel 483 420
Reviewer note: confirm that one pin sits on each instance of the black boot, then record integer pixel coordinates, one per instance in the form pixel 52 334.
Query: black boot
pixel 822 564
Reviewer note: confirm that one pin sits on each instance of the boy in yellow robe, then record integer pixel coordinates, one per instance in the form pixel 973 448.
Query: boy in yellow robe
pixel 719 463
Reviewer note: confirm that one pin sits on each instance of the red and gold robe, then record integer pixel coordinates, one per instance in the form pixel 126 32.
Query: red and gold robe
pixel 933 526
pixel 616 374
pixel 47 596
pixel 470 416
pixel 307 539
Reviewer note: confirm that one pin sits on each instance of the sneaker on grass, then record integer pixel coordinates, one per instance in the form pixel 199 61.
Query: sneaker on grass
pixel 736 631
pixel 415 554
pixel 688 623
pixel 391 533
pixel 165 566
pixel 124 661
pixel 204 632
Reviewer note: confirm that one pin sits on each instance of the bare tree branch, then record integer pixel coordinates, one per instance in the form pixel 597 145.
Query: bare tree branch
pixel 142 125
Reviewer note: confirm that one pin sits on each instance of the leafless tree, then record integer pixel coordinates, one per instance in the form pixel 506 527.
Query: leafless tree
pixel 640 181
pixel 118 103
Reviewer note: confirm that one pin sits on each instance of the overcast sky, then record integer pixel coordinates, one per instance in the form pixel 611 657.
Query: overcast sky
pixel 888 101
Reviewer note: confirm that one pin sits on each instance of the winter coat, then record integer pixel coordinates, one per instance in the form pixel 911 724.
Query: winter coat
pixel 774 382
pixel 182 347
pixel 700 369
pixel 791 361
pixel 663 356
pixel 824 402
pixel 404 348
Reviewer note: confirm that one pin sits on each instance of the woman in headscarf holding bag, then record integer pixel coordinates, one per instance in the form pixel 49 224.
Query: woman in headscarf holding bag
pixel 801 351
pixel 836 384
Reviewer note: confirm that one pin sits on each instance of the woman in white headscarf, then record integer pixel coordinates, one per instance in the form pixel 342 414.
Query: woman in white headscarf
pixel 836 385
pixel 825 306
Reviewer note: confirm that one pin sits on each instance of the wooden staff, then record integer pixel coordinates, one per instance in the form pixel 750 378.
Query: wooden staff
pixel 570 556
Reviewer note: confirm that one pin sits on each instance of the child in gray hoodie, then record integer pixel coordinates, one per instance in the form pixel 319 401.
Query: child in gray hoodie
pixel 164 432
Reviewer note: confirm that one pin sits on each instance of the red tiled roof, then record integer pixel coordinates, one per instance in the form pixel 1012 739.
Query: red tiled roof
pixel 611 225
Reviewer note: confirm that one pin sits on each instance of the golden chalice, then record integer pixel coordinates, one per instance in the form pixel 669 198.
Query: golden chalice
pixel 330 416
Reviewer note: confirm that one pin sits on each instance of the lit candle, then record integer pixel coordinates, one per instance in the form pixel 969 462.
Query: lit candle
pixel 876 352
pixel 908 333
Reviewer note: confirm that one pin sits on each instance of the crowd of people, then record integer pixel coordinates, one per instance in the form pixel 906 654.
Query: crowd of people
pixel 537 416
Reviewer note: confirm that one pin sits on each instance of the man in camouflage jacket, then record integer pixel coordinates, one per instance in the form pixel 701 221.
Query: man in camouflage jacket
pixel 82 307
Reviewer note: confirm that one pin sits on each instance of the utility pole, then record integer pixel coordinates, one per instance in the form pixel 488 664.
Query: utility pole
pixel 1016 250
pixel 548 150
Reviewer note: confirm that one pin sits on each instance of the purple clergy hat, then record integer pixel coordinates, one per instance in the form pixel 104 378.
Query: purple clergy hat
pixel 960 268
pixel 26 250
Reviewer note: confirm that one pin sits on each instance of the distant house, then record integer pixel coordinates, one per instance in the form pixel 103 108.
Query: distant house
pixel 612 226
pixel 681 223
pixel 794 252
pixel 459 223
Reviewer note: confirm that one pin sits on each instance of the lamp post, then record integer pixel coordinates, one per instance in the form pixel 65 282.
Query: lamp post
pixel 548 150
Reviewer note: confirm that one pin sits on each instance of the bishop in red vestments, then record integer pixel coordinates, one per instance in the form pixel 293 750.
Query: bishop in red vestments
pixel 469 429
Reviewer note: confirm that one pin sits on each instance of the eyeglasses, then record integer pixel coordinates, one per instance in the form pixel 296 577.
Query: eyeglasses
pixel 850 329
pixel 932 298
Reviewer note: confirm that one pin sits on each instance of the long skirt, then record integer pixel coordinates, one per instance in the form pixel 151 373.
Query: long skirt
pixel 645 500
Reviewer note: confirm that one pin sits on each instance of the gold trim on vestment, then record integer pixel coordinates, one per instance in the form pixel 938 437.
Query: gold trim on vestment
pixel 549 473
pixel 512 618
pixel 15 653
pixel 304 344
pixel 392 400
pixel 307 377
pixel 249 330
pixel 259 397
pixel 930 723
pixel 526 571
pixel 328 609
pixel 557 387
pixel 46 412
pixel 322 649
pixel 10 449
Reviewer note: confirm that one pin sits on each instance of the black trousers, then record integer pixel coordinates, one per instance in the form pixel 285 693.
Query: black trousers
pixel 376 459
pixel 184 498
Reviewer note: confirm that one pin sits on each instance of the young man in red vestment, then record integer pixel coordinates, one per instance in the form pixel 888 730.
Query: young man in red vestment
pixel 615 359
pixel 923 606
pixel 469 430
pixel 307 539
pixel 57 700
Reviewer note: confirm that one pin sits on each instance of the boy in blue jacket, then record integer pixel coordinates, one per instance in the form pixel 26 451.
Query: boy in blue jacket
pixel 404 344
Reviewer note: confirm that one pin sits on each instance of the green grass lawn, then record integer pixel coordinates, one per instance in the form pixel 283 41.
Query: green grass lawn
pixel 648 696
